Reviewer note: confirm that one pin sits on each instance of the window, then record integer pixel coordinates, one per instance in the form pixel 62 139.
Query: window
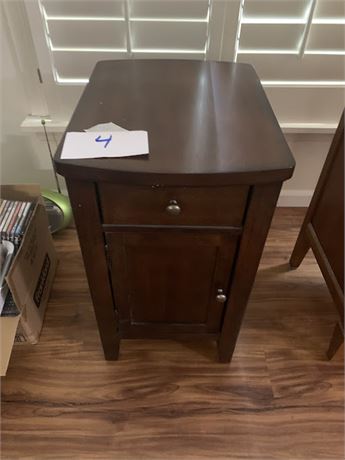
pixel 82 33
pixel 296 46
pixel 71 36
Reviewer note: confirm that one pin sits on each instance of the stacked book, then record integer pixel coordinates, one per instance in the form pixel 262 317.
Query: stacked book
pixel 14 218
pixel 27 267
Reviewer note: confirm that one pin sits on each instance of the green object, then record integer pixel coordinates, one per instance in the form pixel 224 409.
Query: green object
pixel 58 209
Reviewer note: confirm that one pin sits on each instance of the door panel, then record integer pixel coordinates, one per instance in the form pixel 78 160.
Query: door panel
pixel 165 277
pixel 166 285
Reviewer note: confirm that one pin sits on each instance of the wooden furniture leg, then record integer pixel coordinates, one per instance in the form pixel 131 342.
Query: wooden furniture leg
pixel 86 213
pixel 323 230
pixel 258 219
pixel 336 342
pixel 300 250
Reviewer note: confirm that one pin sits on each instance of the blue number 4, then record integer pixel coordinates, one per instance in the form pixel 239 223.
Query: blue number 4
pixel 106 140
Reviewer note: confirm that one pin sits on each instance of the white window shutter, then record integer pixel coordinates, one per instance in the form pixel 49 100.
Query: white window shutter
pixel 298 50
pixel 296 46
pixel 81 33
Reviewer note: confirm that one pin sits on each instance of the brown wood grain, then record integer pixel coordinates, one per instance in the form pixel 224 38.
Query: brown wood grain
pixel 323 230
pixel 168 281
pixel 214 142
pixel 280 398
pixel 87 218
pixel 328 217
pixel 147 205
pixel 208 123
pixel 258 219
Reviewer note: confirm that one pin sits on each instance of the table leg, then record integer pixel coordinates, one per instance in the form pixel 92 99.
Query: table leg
pixel 336 342
pixel 257 222
pixel 88 222
pixel 301 248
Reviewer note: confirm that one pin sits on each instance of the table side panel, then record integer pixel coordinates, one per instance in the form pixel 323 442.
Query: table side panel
pixel 87 219
pixel 259 215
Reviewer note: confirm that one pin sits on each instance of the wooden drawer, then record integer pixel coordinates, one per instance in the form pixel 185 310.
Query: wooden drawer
pixel 126 205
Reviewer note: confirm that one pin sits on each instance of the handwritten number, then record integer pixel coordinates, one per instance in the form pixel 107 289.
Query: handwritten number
pixel 106 140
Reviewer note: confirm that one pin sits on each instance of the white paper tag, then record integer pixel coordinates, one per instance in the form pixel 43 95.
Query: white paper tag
pixel 104 144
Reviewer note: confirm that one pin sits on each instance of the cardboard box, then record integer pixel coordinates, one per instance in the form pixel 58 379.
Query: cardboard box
pixel 31 274
pixel 8 326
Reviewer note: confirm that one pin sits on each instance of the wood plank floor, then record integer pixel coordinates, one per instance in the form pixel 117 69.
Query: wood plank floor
pixel 279 399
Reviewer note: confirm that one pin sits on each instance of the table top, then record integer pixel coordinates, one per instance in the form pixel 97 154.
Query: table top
pixel 207 123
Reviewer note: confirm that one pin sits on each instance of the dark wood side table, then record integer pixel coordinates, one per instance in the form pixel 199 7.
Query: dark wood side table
pixel 172 242
pixel 323 230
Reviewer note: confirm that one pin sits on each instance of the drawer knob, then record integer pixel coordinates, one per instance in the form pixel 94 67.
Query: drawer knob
pixel 173 208
pixel 221 297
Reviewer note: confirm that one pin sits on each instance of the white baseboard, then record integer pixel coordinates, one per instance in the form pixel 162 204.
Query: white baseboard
pixel 295 198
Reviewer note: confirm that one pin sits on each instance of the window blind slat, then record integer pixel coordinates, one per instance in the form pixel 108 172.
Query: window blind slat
pixel 91 8
pixel 270 36
pixel 275 9
pixel 88 34
pixel 330 9
pixel 81 64
pixel 326 37
pixel 170 35
pixel 168 8
pixel 290 67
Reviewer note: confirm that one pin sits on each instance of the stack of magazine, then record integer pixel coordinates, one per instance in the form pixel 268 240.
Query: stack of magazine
pixel 14 219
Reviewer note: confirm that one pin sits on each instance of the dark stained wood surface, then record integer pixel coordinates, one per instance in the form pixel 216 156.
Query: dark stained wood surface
pixel 211 126
pixel 323 228
pixel 327 271
pixel 258 219
pixel 279 399
pixel 336 344
pixel 212 206
pixel 88 223
pixel 170 279
pixel 335 200
pixel 208 123
pixel 328 217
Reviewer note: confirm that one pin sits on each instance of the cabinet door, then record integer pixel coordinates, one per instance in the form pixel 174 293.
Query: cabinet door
pixel 167 281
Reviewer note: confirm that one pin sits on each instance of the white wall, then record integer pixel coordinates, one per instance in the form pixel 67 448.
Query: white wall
pixel 310 151
pixel 25 159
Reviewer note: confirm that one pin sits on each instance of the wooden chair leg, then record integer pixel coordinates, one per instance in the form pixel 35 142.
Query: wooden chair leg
pixel 301 248
pixel 336 342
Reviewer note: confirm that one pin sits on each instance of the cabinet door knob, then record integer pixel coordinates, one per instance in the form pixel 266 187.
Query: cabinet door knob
pixel 173 208
pixel 221 297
